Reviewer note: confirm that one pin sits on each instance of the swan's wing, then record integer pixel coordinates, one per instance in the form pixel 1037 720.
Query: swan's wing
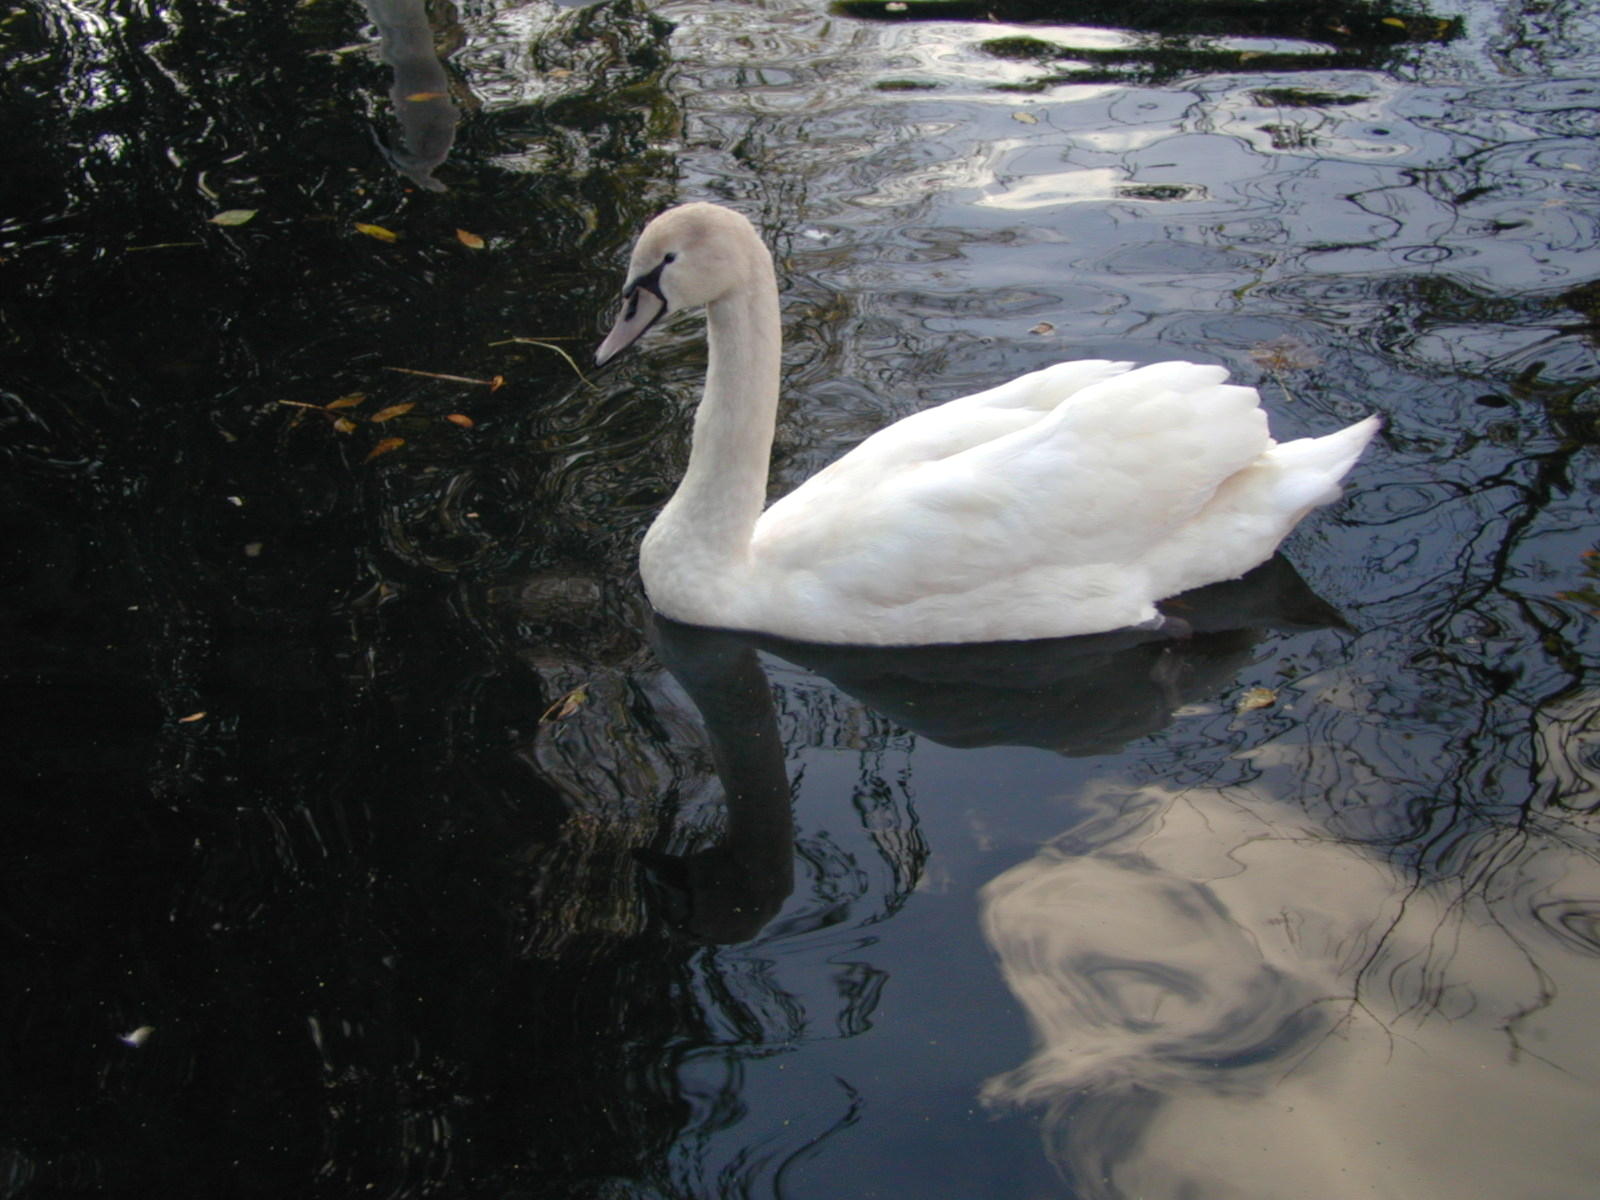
pixel 1102 478
pixel 950 428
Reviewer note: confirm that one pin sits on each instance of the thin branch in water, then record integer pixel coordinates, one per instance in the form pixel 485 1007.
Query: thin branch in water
pixel 493 385
pixel 1284 387
pixel 571 362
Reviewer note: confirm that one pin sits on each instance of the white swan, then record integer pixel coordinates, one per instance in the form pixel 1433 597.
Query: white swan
pixel 1065 502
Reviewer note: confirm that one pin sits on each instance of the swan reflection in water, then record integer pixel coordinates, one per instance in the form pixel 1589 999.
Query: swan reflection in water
pixel 1086 695
pixel 727 892
pixel 1227 1000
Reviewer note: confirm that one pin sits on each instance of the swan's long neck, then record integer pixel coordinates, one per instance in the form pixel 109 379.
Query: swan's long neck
pixel 711 516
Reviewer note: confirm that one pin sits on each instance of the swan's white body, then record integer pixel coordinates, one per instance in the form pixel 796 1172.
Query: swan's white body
pixel 1065 502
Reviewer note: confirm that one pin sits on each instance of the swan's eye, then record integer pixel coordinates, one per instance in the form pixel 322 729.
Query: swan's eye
pixel 668 258
pixel 651 283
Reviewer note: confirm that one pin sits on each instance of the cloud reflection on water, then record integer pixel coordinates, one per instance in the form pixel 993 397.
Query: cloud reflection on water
pixel 1229 1002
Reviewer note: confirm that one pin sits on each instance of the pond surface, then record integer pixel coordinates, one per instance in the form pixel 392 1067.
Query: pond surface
pixel 361 840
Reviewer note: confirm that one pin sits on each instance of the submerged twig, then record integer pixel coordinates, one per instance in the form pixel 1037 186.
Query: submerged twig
pixel 163 246
pixel 571 362
pixel 492 384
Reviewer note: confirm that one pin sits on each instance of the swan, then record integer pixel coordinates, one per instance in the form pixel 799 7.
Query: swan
pixel 1065 502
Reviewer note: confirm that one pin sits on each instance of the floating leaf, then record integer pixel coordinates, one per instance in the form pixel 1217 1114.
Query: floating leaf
pixel 470 240
pixel 377 231
pixel 558 73
pixel 460 419
pixel 384 447
pixel 350 401
pixel 1257 697
pixel 1284 354
pixel 566 706
pixel 498 382
pixel 233 216
pixel 138 1037
pixel 418 97
pixel 1395 21
pixel 393 411
pixel 1027 118
pixel 345 425
pixel 194 716
pixel 1043 327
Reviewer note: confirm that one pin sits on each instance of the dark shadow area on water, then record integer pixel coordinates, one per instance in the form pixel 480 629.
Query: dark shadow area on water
pixel 267 825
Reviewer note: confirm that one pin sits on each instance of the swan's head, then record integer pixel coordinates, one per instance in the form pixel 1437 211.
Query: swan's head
pixel 691 255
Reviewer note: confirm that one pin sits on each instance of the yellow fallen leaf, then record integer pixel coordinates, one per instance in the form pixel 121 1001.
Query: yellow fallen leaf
pixel 460 419
pixel 566 706
pixel 377 231
pixel 194 716
pixel 393 411
pixel 345 425
pixel 470 240
pixel 417 97
pixel 233 216
pixel 1256 697
pixel 1027 118
pixel 385 446
pixel 1395 21
pixel 1285 354
pixel 350 401
pixel 1043 327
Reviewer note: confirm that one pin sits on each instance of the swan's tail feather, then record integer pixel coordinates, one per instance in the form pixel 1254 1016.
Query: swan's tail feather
pixel 1309 469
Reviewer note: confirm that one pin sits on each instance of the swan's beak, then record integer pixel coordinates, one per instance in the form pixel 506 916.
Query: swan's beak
pixel 642 307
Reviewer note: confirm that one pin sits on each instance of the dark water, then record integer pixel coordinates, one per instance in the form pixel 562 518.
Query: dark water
pixel 329 759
